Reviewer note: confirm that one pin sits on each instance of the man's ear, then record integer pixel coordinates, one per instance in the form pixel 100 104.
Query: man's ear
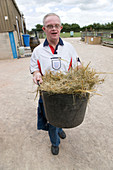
pixel 43 28
pixel 61 27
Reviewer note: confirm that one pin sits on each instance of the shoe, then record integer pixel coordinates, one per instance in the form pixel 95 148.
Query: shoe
pixel 62 135
pixel 54 150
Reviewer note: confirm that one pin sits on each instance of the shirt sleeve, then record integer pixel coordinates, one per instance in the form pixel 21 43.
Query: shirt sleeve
pixel 33 62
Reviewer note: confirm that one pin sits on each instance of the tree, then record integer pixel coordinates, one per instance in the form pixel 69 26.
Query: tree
pixel 66 27
pixel 70 27
pixel 75 27
pixel 38 27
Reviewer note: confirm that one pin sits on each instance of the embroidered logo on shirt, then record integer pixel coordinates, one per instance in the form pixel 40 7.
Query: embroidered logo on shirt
pixel 56 63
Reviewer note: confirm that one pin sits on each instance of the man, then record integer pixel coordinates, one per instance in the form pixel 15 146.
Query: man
pixel 55 55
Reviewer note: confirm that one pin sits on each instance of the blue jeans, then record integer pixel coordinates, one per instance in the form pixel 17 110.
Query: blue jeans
pixel 43 125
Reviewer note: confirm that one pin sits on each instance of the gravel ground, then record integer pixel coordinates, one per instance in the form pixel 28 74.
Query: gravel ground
pixel 87 147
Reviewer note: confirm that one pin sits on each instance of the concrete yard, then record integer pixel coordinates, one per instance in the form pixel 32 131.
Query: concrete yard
pixel 87 147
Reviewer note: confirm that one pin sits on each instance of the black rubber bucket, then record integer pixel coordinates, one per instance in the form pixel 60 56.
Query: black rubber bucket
pixel 64 110
pixel 34 42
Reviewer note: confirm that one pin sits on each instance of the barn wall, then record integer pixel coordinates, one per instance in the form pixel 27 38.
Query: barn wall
pixel 8 9
pixel 5 47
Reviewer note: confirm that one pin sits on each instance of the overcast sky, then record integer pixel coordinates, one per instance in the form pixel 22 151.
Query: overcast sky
pixel 82 12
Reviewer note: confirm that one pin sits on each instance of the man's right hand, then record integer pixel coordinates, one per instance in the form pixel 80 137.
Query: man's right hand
pixel 37 77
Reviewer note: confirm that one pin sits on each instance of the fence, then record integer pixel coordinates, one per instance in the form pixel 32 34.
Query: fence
pixel 104 38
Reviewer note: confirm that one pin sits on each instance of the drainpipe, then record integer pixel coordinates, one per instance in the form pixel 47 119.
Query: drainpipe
pixel 22 22
pixel 18 31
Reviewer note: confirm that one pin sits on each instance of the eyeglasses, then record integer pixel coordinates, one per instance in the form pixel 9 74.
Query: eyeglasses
pixel 57 26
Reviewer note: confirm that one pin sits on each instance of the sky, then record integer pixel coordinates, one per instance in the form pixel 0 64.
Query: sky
pixel 82 12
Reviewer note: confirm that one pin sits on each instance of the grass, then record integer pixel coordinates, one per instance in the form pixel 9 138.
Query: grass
pixel 107 39
pixel 67 34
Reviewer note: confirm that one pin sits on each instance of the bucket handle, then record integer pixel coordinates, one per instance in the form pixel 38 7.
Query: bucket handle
pixel 38 83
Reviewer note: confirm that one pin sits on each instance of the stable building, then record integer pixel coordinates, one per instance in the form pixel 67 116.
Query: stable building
pixel 12 26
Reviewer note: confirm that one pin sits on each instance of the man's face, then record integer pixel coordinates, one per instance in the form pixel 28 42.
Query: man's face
pixel 52 28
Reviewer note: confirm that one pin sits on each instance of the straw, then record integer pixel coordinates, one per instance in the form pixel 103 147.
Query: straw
pixel 75 81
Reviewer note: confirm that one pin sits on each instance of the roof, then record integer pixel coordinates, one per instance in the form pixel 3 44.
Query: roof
pixel 16 6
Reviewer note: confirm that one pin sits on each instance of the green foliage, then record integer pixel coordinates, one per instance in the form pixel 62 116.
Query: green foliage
pixel 39 27
pixel 70 27
pixel 76 28
pixel 98 27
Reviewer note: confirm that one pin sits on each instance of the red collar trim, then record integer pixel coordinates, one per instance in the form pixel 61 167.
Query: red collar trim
pixel 52 49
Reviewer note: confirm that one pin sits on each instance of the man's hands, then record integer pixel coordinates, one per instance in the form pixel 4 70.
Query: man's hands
pixel 37 77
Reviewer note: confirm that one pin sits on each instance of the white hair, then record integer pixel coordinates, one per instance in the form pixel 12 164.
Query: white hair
pixel 50 14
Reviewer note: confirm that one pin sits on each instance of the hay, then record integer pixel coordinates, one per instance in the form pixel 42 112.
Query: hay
pixel 75 81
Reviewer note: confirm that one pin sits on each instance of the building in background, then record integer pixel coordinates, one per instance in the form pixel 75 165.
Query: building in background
pixel 12 26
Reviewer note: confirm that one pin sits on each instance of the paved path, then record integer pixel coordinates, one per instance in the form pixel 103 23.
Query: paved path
pixel 87 147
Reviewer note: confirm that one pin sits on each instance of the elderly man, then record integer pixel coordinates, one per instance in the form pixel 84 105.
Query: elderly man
pixel 55 55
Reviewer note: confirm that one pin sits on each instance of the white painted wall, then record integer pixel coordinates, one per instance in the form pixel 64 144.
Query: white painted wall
pixel 5 47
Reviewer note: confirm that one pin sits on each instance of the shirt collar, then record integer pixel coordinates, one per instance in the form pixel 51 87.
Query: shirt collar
pixel 59 43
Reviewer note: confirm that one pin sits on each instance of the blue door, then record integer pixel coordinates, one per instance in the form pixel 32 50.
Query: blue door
pixel 13 46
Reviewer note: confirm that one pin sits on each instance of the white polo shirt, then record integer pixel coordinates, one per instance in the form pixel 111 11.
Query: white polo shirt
pixel 59 61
